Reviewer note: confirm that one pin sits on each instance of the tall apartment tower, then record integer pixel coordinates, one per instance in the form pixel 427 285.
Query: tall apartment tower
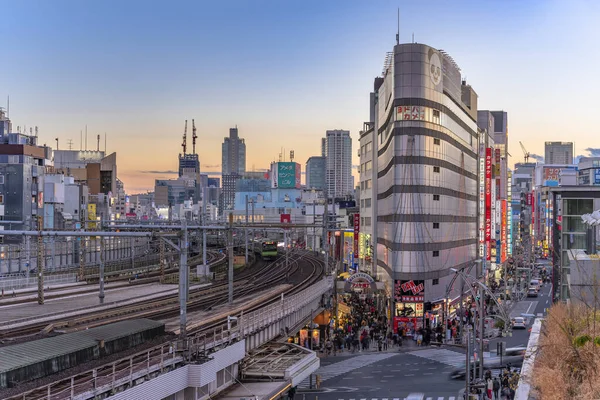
pixel 558 153
pixel 337 146
pixel 419 167
pixel 233 154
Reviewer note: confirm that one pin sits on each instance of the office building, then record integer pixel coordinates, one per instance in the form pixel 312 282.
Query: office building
pixel 558 152
pixel 337 146
pixel 588 170
pixel 94 169
pixel 315 173
pixel 421 176
pixel 22 168
pixel 233 154
pixel 188 163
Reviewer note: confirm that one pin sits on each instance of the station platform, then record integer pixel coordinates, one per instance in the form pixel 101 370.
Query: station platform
pixel 81 301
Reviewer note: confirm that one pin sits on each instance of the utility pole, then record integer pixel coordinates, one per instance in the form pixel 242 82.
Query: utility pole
pixel 468 364
pixel 481 328
pixel 183 276
pixel 287 264
pixel 246 231
pixel 40 262
pixel 204 222
pixel 101 294
pixel 326 230
pixel 162 261
pixel 230 255
pixel 28 256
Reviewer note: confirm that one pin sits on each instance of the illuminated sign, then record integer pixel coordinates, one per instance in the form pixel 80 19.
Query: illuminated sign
pixel 503 236
pixel 356 233
pixel 409 291
pixel 488 202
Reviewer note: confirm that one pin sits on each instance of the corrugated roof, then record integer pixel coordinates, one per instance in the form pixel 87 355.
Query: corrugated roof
pixel 20 355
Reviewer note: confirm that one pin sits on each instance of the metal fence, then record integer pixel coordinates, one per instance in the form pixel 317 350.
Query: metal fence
pixel 18 281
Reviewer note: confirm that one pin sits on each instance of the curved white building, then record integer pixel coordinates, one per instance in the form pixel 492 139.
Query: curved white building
pixel 419 168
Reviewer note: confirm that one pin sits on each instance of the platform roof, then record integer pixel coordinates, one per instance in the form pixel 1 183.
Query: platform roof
pixel 28 353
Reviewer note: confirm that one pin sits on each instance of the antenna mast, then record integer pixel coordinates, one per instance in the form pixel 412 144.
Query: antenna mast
pixel 398 32
pixel 184 144
pixel 56 143
pixel 86 137
pixel 194 136
pixel 98 143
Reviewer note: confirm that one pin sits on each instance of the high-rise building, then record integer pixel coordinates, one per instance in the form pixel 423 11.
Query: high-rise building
pixel 558 153
pixel 419 175
pixel 233 154
pixel 188 163
pixel 338 151
pixel 315 173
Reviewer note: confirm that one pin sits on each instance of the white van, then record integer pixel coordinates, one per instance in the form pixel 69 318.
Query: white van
pixel 536 284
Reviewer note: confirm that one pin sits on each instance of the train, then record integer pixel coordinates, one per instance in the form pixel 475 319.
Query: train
pixel 268 249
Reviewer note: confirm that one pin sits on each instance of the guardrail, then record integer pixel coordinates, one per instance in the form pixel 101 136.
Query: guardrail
pixel 8 283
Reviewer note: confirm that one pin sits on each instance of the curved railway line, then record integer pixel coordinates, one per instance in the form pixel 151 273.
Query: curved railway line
pixel 304 269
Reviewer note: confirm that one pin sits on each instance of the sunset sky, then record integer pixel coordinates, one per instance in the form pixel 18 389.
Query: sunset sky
pixel 283 72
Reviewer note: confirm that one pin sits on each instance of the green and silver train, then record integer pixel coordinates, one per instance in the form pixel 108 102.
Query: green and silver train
pixel 268 249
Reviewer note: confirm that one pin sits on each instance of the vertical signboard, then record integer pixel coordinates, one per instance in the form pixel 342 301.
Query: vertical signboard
pixel 91 209
pixel 356 235
pixel 481 201
pixel 298 175
pixel 503 238
pixel 488 202
pixel 286 175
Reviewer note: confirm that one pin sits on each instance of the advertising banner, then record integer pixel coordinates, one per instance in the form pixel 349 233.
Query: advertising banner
pixel 488 202
pixel 91 216
pixel 529 197
pixel 409 291
pixel 503 230
pixel 298 175
pixel 356 234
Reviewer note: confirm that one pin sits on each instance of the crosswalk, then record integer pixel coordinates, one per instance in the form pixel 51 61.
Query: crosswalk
pixel 343 367
pixel 408 398
pixel 451 358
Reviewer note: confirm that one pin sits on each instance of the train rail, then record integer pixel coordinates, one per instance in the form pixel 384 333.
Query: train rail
pixel 304 270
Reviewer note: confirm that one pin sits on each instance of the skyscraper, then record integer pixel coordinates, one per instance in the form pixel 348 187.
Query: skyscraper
pixel 337 145
pixel 558 153
pixel 419 175
pixel 315 173
pixel 233 154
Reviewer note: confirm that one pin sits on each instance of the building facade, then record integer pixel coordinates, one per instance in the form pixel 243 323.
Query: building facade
pixel 233 154
pixel 337 145
pixel 315 172
pixel 425 143
pixel 558 152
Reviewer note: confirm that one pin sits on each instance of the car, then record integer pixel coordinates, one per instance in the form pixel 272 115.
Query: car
pixel 415 396
pixel 519 323
pixel 532 292
pixel 494 363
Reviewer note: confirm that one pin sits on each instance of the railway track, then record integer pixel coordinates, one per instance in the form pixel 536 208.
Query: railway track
pixel 305 269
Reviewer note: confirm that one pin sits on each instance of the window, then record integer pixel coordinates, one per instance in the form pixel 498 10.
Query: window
pixel 436 225
pixel 367 166
pixel 1 179
pixel 369 147
pixel 362 203
pixel 436 253
pixel 1 199
pixel 436 169
pixel 436 141
pixel 367 203
pixel 435 282
pixel 436 197
pixel 368 184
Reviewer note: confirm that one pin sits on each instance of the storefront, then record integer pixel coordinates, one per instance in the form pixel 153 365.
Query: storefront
pixel 408 314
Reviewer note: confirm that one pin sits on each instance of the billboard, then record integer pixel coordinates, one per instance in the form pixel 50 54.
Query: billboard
pixel 551 176
pixel 409 291
pixel 488 202
pixel 503 238
pixel 356 234
pixel 286 175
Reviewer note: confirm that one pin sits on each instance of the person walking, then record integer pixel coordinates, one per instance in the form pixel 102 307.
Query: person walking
pixel 490 389
pixel 496 386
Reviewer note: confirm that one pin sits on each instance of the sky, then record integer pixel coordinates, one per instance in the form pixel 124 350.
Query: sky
pixel 283 72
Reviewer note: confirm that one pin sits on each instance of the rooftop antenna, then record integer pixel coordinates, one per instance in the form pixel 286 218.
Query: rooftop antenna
pixel 70 144
pixel 413 37
pixel 36 131
pixel 194 136
pixel 86 137
pixel 184 144
pixel 56 143
pixel 8 107
pixel 291 155
pixel 398 32
pixel 98 143
pixel 80 140
pixel 105 143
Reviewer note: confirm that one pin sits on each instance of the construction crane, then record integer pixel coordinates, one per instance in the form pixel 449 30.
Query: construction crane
pixel 525 152
pixel 184 144
pixel 194 136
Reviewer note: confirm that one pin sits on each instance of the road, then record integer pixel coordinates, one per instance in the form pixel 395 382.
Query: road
pixel 393 375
